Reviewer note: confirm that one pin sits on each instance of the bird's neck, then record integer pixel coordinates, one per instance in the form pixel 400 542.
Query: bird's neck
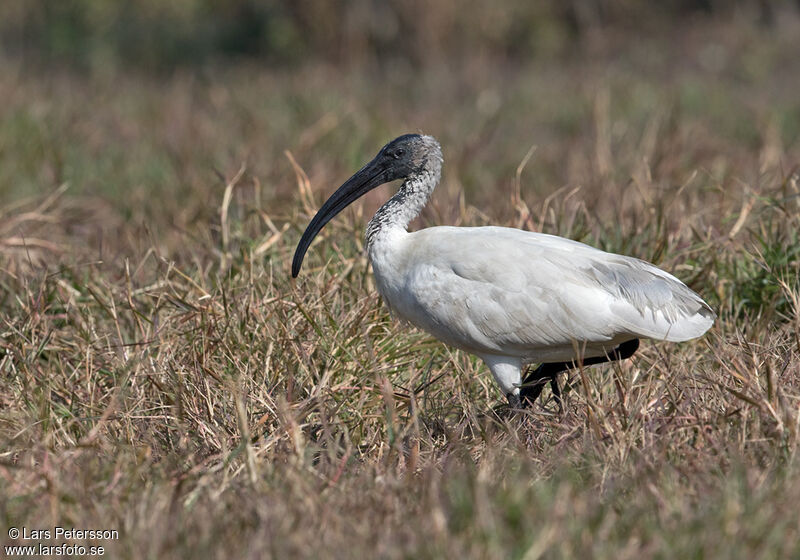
pixel 405 205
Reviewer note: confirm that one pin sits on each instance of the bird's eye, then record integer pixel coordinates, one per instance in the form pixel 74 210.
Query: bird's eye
pixel 399 153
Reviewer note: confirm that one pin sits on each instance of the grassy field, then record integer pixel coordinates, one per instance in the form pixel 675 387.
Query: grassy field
pixel 162 376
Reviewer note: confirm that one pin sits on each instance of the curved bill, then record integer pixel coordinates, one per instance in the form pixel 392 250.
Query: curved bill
pixel 366 179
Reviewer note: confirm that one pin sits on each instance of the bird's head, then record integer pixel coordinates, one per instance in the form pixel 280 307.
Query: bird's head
pixel 406 155
pixel 403 157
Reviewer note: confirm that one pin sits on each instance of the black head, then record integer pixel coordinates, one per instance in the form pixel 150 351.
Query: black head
pixel 400 158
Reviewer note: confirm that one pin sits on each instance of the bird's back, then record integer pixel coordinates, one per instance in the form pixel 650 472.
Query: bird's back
pixel 493 289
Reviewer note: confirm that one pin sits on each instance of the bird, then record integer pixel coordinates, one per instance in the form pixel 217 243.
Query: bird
pixel 514 298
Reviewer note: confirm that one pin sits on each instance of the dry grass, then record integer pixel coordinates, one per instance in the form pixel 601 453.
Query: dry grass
pixel 162 376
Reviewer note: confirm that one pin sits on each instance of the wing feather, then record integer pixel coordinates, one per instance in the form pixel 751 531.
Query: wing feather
pixel 499 289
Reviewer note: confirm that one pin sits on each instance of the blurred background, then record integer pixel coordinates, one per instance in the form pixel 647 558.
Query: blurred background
pixel 122 101
pixel 162 37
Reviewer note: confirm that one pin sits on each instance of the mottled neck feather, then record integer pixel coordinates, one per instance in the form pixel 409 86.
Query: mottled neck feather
pixel 407 202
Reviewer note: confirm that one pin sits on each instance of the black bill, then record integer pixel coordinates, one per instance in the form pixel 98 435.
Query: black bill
pixel 370 176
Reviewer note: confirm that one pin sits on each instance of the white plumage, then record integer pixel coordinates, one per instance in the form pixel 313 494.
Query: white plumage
pixel 511 297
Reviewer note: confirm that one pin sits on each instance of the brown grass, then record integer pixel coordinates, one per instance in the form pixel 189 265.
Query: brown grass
pixel 162 376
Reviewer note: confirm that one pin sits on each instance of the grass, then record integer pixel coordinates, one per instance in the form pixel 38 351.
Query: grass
pixel 162 376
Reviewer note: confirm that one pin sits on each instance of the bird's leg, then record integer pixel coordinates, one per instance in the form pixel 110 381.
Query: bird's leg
pixel 507 372
pixel 534 382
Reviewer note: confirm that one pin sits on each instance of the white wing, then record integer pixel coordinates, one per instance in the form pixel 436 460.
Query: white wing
pixel 495 290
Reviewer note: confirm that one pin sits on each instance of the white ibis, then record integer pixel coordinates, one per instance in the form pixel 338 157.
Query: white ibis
pixel 511 297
